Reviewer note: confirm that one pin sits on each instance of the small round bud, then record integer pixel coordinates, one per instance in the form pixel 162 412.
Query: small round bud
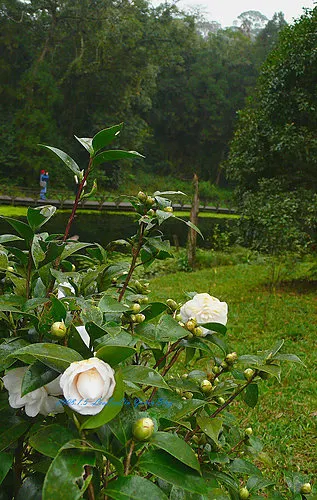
pixel 224 365
pixel 216 370
pixel 178 317
pixel 248 431
pixel 136 308
pixel 188 395
pixel 58 329
pixel 114 280
pixel 185 375
pixel 168 209
pixel 306 489
pixel 172 304
pixel 150 212
pixel 198 332
pixel 139 318
pixel 248 373
pixel 133 318
pixel 206 386
pixel 178 390
pixel 221 400
pixel 149 201
pixel 143 429
pixel 142 196
pixel 231 358
pixel 11 269
pixel 73 268
pixel 244 493
pixel 195 439
pixel 191 325
pixel 190 336
pixel 144 300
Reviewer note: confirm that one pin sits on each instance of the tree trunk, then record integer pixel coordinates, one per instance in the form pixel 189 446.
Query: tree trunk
pixel 192 235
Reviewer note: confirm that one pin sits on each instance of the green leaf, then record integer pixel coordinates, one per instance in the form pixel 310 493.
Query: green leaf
pixel 193 226
pixel 23 229
pixel 167 330
pixel 105 136
pixel 163 216
pixel 215 327
pixel 69 162
pixel 176 447
pixel 22 255
pixel 66 475
pixel 257 482
pixel 31 488
pixel 219 342
pixel 112 408
pixel 210 426
pixel 240 466
pixel 114 154
pixel 4 261
pixel 50 439
pixel 110 305
pixel 58 311
pixel 115 354
pixel 86 445
pixel 36 376
pixel 76 342
pixel 6 238
pixel 72 248
pixel 134 488
pixel 10 431
pixel 153 310
pixel 8 347
pixel 289 357
pixel 38 253
pixel 6 460
pixel 168 468
pixel 54 356
pixel 144 375
pixel 39 216
pixel 87 143
pixel 251 394
pixel 274 370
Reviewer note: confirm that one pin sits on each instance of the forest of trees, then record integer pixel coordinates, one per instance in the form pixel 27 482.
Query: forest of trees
pixel 77 66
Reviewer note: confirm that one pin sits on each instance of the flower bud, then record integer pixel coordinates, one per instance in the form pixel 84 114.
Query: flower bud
pixel 139 318
pixel 136 308
pixel 150 212
pixel 306 489
pixel 143 429
pixel 142 196
pixel 224 365
pixel 178 317
pixel 191 325
pixel 172 304
pixel 188 395
pixel 248 373
pixel 206 386
pixel 231 358
pixel 244 493
pixel 248 431
pixel 168 209
pixel 133 318
pixel 11 269
pixel 198 332
pixel 216 370
pixel 144 300
pixel 189 336
pixel 185 375
pixel 149 201
pixel 221 400
pixel 58 329
pixel 73 268
pixel 114 280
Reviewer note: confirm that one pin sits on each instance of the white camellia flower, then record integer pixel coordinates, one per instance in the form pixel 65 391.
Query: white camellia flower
pixel 205 309
pixel 65 289
pixel 84 334
pixel 88 385
pixel 41 400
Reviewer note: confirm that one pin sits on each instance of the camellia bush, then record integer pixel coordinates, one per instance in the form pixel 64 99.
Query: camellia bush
pixel 97 400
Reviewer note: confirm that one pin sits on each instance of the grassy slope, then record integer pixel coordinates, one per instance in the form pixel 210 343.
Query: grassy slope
pixel 284 415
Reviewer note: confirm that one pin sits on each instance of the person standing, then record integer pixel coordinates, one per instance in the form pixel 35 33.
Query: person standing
pixel 44 177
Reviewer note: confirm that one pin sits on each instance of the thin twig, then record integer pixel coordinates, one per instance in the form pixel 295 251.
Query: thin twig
pixel 135 254
pixel 128 460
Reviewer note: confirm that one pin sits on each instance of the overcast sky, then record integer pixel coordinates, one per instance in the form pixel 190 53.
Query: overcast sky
pixel 225 11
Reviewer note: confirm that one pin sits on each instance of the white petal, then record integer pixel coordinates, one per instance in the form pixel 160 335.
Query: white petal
pixel 53 388
pixel 90 385
pixel 84 334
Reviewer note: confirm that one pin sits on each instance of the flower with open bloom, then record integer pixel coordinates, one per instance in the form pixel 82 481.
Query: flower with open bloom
pixel 88 385
pixel 204 309
pixel 41 400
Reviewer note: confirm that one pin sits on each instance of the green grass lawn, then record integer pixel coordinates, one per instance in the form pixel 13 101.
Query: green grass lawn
pixel 285 415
